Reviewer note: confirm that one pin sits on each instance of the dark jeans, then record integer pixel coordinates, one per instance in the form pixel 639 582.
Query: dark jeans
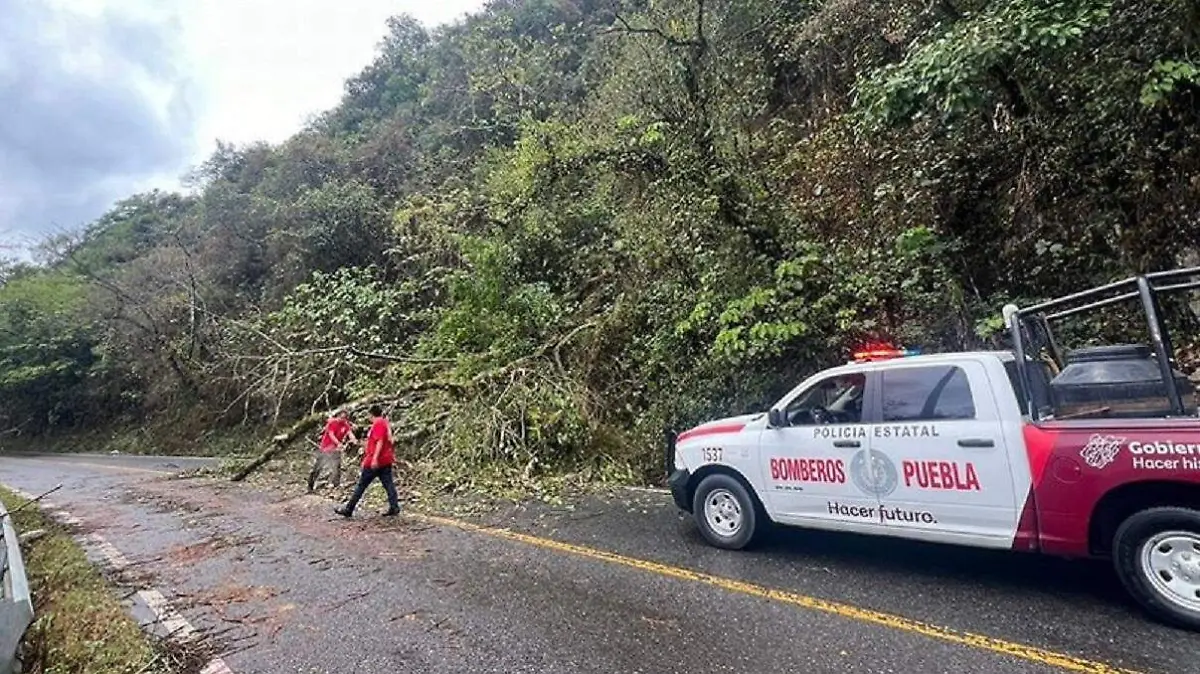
pixel 365 478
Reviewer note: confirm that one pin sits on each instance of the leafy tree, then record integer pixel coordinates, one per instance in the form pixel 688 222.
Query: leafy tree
pixel 546 231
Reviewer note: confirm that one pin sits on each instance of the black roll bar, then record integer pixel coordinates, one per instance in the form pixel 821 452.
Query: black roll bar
pixel 1094 305
pixel 1015 327
pixel 1162 342
pixel 1182 272
pixel 1145 288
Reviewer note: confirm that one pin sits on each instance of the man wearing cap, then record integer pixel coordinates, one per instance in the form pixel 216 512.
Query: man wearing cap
pixel 338 431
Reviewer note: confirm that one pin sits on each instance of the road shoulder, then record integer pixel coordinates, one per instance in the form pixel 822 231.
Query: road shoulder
pixel 76 607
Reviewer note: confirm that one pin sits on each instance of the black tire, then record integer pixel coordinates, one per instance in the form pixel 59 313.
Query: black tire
pixel 1131 537
pixel 750 523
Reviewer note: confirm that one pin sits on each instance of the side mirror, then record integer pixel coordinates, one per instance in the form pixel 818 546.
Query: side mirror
pixel 775 418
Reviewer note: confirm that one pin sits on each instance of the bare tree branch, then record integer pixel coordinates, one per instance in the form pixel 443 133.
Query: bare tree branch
pixel 629 29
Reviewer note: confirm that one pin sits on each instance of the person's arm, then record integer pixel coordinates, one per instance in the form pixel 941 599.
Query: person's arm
pixel 374 446
pixel 387 430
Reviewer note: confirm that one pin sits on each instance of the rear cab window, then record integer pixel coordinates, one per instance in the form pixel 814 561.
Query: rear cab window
pixel 1040 374
pixel 926 393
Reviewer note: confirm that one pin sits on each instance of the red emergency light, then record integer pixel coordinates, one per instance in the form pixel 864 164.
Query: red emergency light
pixel 876 352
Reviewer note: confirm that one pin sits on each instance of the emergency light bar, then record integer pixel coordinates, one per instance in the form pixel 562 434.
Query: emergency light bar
pixel 884 353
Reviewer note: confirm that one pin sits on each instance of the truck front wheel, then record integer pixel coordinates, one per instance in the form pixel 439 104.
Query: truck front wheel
pixel 1157 556
pixel 725 512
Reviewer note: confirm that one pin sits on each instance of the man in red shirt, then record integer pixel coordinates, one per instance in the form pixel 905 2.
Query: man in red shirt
pixel 378 457
pixel 338 431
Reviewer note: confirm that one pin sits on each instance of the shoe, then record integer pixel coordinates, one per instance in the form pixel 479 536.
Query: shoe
pixel 392 512
pixel 341 510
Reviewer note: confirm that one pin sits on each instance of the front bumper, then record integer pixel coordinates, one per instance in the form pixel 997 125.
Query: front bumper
pixel 677 478
pixel 678 482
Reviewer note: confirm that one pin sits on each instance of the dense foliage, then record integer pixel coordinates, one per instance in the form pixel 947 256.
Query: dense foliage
pixel 547 231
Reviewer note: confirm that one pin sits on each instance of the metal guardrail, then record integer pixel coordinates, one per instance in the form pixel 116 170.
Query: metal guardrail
pixel 16 606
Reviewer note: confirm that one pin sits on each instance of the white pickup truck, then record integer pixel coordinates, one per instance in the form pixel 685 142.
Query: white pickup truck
pixel 1084 456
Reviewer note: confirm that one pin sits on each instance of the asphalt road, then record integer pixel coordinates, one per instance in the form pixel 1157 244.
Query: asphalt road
pixel 616 584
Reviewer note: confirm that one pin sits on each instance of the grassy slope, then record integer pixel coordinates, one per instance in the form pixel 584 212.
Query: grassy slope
pixel 81 626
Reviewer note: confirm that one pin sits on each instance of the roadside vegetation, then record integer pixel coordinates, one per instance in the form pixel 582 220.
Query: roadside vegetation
pixel 80 626
pixel 543 234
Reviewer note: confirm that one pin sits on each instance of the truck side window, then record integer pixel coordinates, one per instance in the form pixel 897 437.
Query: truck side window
pixel 927 394
pixel 837 400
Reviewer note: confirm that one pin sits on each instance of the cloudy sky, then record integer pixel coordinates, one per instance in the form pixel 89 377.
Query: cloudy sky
pixel 102 98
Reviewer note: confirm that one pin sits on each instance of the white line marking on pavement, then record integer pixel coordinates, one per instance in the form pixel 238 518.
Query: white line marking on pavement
pixel 67 518
pixel 175 624
pixel 116 560
pixel 172 621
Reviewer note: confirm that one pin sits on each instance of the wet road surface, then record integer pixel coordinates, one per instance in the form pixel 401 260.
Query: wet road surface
pixel 616 584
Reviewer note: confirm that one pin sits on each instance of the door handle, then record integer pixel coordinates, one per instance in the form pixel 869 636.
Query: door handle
pixel 976 442
pixel 847 443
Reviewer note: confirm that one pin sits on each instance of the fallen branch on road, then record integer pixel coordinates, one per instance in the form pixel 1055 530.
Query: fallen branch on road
pixel 548 353
pixel 282 441
pixel 31 501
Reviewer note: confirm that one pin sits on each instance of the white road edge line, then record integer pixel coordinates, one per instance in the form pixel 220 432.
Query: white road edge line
pixel 166 615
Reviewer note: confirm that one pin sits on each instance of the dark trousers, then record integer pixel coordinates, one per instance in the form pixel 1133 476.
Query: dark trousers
pixel 366 477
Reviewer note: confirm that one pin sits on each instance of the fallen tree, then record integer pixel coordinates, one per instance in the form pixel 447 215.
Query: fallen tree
pixel 389 402
pixel 282 441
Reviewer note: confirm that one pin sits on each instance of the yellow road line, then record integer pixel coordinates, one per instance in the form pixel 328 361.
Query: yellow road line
pixel 976 641
pixel 947 634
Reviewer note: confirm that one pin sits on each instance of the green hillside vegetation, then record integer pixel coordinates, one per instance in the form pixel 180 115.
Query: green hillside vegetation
pixel 546 232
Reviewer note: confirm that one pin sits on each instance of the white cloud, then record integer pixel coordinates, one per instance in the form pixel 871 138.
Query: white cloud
pixel 94 101
pixel 266 66
pixel 103 98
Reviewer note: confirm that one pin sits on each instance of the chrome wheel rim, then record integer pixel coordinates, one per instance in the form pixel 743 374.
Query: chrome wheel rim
pixel 723 513
pixel 1171 562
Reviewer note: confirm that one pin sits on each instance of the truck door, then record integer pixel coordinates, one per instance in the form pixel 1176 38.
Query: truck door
pixel 808 463
pixel 940 431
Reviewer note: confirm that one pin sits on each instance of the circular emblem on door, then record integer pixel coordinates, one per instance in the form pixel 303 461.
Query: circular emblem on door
pixel 874 473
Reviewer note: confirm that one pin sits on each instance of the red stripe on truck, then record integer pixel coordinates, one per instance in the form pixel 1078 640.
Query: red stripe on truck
pixel 1039 446
pixel 717 429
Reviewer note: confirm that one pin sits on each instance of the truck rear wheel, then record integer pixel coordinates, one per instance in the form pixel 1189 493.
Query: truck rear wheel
pixel 725 512
pixel 1157 556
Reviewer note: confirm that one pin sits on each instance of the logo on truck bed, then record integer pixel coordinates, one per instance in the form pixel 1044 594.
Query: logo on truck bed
pixel 1101 450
